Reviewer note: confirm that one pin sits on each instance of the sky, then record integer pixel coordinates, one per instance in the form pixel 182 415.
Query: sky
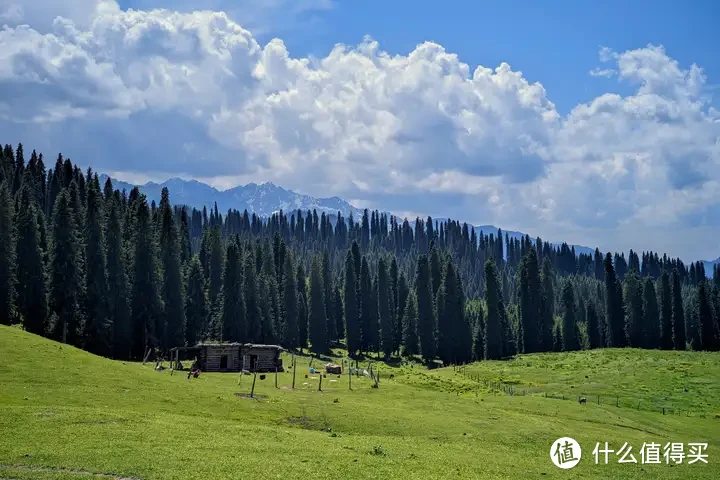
pixel 596 123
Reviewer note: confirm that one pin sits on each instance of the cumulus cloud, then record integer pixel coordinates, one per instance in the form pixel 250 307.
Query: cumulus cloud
pixel 196 94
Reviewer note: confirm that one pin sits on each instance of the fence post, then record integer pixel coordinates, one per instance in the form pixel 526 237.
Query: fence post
pixel 617 400
pixel 349 380
pixel 320 385
pixel 598 399
pixel 294 367
pixel 276 377
pixel 252 390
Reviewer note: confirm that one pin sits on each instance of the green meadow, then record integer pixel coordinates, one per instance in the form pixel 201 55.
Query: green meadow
pixel 67 414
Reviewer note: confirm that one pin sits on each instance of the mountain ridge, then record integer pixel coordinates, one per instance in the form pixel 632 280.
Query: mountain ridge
pixel 266 198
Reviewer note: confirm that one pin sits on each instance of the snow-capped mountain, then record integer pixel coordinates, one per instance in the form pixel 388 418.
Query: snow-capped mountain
pixel 262 199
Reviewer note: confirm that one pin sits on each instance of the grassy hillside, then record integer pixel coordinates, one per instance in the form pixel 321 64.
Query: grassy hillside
pixel 67 413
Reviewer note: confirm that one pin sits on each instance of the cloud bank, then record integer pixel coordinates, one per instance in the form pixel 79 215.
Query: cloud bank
pixel 161 92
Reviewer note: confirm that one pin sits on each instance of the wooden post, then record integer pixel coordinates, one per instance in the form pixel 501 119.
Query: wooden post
pixel 598 399
pixel 320 384
pixel 252 390
pixel 294 370
pixel 617 400
pixel 276 377
pixel 349 380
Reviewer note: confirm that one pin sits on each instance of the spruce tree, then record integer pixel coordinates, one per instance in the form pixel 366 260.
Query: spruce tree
pixel 267 308
pixel 634 316
pixel 666 326
pixel 253 312
pixel 7 256
pixel 706 317
pixel 327 293
pixel 651 315
pixel 215 266
pixel 427 322
pixel 386 322
pixel 118 286
pixel 65 273
pixel 196 310
pixel 530 302
pixel 395 318
pixel 402 295
pixel 146 304
pixel 410 321
pixel 233 315
pixel 302 306
pixel 352 320
pixel 547 310
pixel 316 307
pixel 97 330
pixel 172 283
pixel 290 306
pixel 31 292
pixel 339 312
pixel 678 313
pixel 494 337
pixel 593 326
pixel 367 310
pixel 615 319
pixel 435 270
pixel 570 337
pixel 479 335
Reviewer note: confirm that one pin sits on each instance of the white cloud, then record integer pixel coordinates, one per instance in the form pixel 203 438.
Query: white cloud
pixel 196 94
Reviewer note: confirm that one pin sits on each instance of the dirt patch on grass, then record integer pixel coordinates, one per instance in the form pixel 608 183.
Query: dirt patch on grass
pixel 247 395
pixel 69 471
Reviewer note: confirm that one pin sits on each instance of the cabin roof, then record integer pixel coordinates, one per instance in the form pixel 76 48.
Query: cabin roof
pixel 235 344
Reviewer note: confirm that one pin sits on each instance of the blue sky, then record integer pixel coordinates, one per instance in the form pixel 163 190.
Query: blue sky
pixel 592 122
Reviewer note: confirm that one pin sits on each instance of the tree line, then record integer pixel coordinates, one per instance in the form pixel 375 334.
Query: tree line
pixel 110 272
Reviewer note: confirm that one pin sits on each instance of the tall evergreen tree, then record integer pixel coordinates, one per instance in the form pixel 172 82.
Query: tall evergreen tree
pixel 494 340
pixel 665 296
pixel 31 293
pixel 253 312
pixel 402 295
pixel 706 317
pixel 302 306
pixel 530 301
pixel 172 286
pixel 634 316
pixel 196 310
pixel 316 307
pixel 290 306
pixel 678 313
pixel 97 330
pixel 65 273
pixel 146 303
pixel 339 312
pixel 651 315
pixel 593 326
pixel 327 286
pixel 410 320
pixel 427 322
pixel 7 256
pixel 547 312
pixel 570 335
pixel 233 315
pixel 352 320
pixel 383 299
pixel 615 319
pixel 368 327
pixel 117 280
pixel 479 335
pixel 215 266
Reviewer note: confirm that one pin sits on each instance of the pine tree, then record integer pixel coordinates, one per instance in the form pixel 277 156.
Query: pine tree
pixel 678 313
pixel 146 303
pixel 352 320
pixel 435 270
pixel 615 318
pixel 290 306
pixel 665 297
pixel 233 315
pixel 410 321
pixel 547 311
pixel 329 310
pixel 530 302
pixel 267 308
pixel 117 281
pixel 634 316
pixel 395 317
pixel 593 326
pixel 65 273
pixel 427 322
pixel 706 317
pixel 253 312
pixel 215 266
pixel 367 329
pixel 302 306
pixel 97 330
pixel 402 295
pixel 196 310
pixel 383 299
pixel 651 315
pixel 570 336
pixel 316 307
pixel 494 337
pixel 172 283
pixel 339 312
pixel 7 256
pixel 479 335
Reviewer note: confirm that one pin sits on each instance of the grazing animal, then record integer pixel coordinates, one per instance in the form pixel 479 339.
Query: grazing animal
pixel 583 401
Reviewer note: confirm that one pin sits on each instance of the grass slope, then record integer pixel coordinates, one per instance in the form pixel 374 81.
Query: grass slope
pixel 77 414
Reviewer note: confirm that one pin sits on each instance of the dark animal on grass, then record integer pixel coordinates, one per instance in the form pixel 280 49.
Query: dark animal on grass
pixel 583 401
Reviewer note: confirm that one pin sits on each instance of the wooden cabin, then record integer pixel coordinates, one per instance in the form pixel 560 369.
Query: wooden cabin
pixel 230 357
